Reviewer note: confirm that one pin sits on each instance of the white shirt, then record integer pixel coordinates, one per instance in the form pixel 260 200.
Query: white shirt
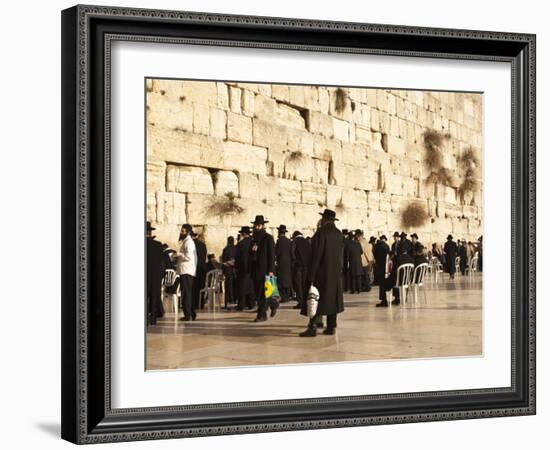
pixel 187 257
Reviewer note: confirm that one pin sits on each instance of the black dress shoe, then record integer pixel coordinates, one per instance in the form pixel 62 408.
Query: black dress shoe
pixel 260 319
pixel 319 325
pixel 193 315
pixel 395 302
pixel 274 309
pixel 329 331
pixel 310 332
pixel 382 305
pixel 297 307
pixel 239 308
pixel 185 319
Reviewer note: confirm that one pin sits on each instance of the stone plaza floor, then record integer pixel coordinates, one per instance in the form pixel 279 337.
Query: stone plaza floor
pixel 449 324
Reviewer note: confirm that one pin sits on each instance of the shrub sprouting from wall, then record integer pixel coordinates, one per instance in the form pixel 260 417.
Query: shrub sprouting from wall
pixel 225 206
pixel 433 142
pixel 414 215
pixel 339 100
pixel 469 163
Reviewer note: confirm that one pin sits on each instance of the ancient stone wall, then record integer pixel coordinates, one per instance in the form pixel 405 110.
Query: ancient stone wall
pixel 288 152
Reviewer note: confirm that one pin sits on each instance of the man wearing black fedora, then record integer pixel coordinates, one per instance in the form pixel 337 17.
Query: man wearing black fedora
pixel 155 270
pixel 186 260
pixel 283 257
pixel 301 257
pixel 381 253
pixel 325 273
pixel 451 249
pixel 245 290
pixel 262 264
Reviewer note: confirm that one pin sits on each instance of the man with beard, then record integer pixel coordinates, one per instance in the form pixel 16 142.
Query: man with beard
pixel 283 255
pixel 301 256
pixel 416 246
pixel 345 260
pixel 155 270
pixel 228 269
pixel 200 278
pixel 324 273
pixel 406 244
pixel 186 260
pixel 396 238
pixel 450 248
pixel 355 264
pixel 242 268
pixel 381 253
pixel 262 264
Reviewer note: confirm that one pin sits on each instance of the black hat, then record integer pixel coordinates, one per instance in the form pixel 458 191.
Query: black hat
pixel 149 226
pixel 383 238
pixel 245 229
pixel 373 239
pixel 328 214
pixel 414 235
pixel 282 229
pixel 188 227
pixel 259 220
pixel 396 234
pixel 296 233
pixel 358 232
pixel 345 231
pixel 403 234
pixel 450 237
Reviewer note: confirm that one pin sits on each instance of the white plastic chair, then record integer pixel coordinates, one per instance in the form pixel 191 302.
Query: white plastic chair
pixel 212 289
pixel 418 280
pixel 472 266
pixel 170 277
pixel 403 281
pixel 457 264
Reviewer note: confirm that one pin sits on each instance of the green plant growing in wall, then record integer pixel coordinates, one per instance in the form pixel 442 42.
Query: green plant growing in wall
pixel 469 163
pixel 225 206
pixel 339 100
pixel 414 215
pixel 433 141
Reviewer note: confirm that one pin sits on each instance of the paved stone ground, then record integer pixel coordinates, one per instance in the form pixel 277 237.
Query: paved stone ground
pixel 449 324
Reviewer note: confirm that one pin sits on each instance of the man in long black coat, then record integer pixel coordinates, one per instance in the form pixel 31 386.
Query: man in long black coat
pixel 355 268
pixel 200 277
pixel 283 256
pixel 345 260
pixel 324 273
pixel 402 256
pixel 463 255
pixel 245 293
pixel 381 252
pixel 451 251
pixel 228 268
pixel 301 257
pixel 262 263
pixel 155 271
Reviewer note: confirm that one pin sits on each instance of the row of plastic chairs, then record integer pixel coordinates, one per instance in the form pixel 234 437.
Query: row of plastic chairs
pixel 410 277
pixel 208 296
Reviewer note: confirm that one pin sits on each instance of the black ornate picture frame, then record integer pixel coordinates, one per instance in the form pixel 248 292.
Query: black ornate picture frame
pixel 87 34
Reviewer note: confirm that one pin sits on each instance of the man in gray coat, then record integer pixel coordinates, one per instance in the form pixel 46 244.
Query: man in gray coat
pixel 324 273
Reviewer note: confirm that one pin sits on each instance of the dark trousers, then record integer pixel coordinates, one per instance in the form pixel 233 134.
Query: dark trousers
pixel 346 280
pixel 154 303
pixel 263 303
pixel 198 283
pixel 355 283
pixel 229 288
pixel 365 280
pixel 300 285
pixel 317 318
pixel 186 289
pixel 285 293
pixel 245 293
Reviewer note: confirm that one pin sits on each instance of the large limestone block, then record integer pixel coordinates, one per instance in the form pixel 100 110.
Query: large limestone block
pixel 201 119
pixel 167 234
pixel 281 213
pixel 393 183
pixel 218 123
pixel 338 174
pixel 239 128
pixel 195 180
pixel 223 96
pixel 300 141
pixel 460 228
pixel 290 190
pixel 470 212
pixel 410 187
pixel 244 157
pixel 203 92
pixel 178 146
pixel 326 149
pixel 306 216
pixel 394 127
pixel 169 113
pixel 268 134
pixel 206 210
pixel 354 198
pixel 377 142
pixel 298 167
pixel 264 107
pixel 344 114
pixel 334 196
pixel 340 130
pixel 156 174
pixel 320 171
pixel 151 206
pixel 297 95
pixel 235 99
pixel 378 222
pixel 361 178
pixel 287 116
pixel 224 182
pixel 247 103
pixel 311 98
pixel 252 186
pixel 453 210
pixel 450 194
pixel 276 157
pixel 398 202
pixel 320 123
pixel 397 146
pixel 280 92
pixel 354 155
pixel 314 194
pixel 174 210
pixel 324 100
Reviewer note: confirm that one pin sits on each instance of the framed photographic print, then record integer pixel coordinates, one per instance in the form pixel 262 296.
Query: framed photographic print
pixel 280 224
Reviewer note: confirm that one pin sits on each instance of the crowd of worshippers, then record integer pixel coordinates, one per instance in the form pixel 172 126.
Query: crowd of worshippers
pixel 333 261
